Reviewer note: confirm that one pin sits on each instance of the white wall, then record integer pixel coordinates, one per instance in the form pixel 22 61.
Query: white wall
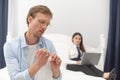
pixel 89 17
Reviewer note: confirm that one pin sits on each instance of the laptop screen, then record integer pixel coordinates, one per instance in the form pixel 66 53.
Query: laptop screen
pixel 90 58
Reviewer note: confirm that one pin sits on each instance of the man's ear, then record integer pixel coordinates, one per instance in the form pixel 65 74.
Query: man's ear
pixel 30 18
pixel 72 40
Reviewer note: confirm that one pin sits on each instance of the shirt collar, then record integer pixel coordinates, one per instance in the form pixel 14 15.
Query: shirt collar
pixel 24 44
pixel 23 41
pixel 75 45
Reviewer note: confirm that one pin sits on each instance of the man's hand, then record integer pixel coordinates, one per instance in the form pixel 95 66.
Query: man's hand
pixel 55 65
pixel 42 56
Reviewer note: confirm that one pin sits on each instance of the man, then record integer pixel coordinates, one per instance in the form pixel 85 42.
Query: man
pixel 32 56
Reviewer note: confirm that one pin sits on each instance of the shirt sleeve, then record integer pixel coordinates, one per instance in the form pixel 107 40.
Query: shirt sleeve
pixel 13 65
pixel 51 47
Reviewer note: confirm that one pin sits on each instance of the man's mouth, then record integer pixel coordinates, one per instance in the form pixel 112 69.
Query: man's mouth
pixel 41 31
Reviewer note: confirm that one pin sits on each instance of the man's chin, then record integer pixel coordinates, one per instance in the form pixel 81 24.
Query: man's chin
pixel 38 36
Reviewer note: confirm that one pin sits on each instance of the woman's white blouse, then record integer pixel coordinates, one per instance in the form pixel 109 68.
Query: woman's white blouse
pixel 72 53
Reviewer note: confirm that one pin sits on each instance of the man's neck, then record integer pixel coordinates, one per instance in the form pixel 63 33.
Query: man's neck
pixel 31 39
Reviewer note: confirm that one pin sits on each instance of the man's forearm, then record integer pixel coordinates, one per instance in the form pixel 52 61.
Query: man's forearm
pixel 33 70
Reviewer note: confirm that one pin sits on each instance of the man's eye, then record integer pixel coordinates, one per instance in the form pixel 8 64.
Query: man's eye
pixel 42 22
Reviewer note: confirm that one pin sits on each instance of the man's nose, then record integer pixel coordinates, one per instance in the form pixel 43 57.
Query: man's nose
pixel 44 27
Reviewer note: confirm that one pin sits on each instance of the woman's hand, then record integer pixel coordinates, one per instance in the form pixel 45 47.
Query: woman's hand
pixel 79 62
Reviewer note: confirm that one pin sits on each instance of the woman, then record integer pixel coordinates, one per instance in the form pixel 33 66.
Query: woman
pixel 75 54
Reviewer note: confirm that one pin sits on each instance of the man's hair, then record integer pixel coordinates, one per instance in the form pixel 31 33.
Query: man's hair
pixel 39 9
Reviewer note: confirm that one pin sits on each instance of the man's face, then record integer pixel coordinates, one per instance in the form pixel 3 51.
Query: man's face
pixel 39 24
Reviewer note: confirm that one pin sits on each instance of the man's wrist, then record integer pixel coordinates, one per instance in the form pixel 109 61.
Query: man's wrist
pixel 56 73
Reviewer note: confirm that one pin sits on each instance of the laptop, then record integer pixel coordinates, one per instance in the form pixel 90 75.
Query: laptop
pixel 90 58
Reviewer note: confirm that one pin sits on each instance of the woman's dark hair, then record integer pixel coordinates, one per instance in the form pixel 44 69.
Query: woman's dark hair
pixel 81 44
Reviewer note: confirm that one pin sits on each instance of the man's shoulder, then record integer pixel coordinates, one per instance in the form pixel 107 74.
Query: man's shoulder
pixel 45 39
pixel 14 41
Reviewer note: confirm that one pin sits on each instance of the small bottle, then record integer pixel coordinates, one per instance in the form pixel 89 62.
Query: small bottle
pixel 102 41
pixel 102 50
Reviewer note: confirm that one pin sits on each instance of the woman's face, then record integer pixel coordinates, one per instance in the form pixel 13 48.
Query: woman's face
pixel 77 40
